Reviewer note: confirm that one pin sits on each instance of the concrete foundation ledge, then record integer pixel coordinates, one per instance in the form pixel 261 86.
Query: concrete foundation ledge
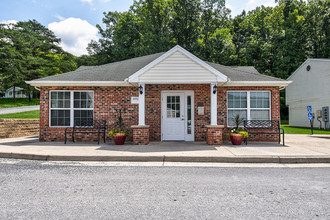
pixel 206 159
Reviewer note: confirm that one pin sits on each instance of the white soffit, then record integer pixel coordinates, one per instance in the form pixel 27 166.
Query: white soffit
pixel 177 66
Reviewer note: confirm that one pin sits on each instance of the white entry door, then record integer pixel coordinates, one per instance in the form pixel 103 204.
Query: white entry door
pixel 177 116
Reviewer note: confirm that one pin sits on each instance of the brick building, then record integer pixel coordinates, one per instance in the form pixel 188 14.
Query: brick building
pixel 164 96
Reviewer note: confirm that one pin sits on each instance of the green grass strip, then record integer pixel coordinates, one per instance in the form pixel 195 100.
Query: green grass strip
pixel 9 102
pixel 294 130
pixel 22 115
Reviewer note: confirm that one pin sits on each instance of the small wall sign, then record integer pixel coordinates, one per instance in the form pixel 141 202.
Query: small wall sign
pixel 200 110
pixel 309 109
pixel 134 100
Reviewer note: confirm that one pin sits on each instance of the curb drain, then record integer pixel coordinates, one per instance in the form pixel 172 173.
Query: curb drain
pixel 163 160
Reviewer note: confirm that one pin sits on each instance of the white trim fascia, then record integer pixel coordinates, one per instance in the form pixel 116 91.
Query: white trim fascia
pixel 318 59
pixel 297 69
pixel 179 82
pixel 308 59
pixel 135 77
pixel 78 83
pixel 257 83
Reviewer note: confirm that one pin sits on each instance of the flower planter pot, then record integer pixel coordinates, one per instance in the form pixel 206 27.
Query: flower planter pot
pixel 236 139
pixel 119 139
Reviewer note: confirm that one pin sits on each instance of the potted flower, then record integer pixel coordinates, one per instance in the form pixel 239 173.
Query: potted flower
pixel 119 136
pixel 237 136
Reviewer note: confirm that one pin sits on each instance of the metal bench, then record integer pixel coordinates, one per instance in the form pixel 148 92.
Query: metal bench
pixel 86 126
pixel 267 127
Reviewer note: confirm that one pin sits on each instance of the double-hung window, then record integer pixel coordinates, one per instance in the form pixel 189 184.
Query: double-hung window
pixel 249 105
pixel 68 107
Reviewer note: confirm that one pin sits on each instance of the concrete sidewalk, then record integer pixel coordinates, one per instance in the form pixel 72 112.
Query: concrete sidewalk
pixel 298 149
pixel 19 109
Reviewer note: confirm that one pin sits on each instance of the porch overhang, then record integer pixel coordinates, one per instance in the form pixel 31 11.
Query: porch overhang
pixel 177 66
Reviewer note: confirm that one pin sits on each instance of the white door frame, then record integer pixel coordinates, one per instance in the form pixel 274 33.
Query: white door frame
pixel 187 137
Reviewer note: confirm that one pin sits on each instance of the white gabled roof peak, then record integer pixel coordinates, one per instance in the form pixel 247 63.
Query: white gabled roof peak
pixel 219 76
pixel 308 60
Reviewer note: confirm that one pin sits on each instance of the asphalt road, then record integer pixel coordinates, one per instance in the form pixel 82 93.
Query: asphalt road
pixel 19 109
pixel 43 190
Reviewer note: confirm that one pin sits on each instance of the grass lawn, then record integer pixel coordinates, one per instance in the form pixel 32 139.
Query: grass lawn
pixel 23 115
pixel 9 103
pixel 295 130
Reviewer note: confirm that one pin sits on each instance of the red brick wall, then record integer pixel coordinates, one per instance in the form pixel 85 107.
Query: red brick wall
pixel 107 103
pixel 109 100
pixel 275 109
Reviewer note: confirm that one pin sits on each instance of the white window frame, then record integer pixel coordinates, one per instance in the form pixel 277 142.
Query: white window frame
pixel 248 108
pixel 71 106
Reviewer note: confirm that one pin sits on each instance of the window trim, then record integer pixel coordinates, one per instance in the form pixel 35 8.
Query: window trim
pixel 71 106
pixel 248 108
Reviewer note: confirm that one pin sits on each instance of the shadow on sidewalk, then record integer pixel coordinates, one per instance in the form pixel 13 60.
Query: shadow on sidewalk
pixel 160 147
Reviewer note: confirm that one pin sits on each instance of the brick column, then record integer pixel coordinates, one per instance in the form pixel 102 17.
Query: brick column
pixel 214 134
pixel 140 134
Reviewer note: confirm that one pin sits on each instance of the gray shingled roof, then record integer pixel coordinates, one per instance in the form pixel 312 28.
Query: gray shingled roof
pixel 119 71
pixel 242 73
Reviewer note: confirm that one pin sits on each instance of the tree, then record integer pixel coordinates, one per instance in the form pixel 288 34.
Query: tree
pixel 152 26
pixel 30 51
pixel 318 28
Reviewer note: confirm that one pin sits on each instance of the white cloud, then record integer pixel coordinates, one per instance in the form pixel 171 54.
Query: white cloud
pixel 8 22
pixel 252 4
pixel 59 17
pixel 75 34
pixel 89 1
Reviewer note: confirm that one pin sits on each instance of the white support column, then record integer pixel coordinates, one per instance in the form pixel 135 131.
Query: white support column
pixel 213 105
pixel 142 105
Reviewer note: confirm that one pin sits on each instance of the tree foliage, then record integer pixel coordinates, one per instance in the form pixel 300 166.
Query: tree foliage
pixel 29 51
pixel 275 40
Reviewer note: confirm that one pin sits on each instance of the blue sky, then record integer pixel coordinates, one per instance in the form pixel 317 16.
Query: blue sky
pixel 74 20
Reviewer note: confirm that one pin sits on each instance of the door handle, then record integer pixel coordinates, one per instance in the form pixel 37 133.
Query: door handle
pixel 182 117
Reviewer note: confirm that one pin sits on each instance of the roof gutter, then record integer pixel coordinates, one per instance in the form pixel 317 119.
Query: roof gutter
pixel 281 84
pixel 78 83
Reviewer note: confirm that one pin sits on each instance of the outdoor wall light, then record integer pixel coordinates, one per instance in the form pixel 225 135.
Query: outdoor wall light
pixel 141 89
pixel 215 87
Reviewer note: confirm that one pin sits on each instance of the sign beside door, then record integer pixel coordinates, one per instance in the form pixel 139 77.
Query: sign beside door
pixel 177 115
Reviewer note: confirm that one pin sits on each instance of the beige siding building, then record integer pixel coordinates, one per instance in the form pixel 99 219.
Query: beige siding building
pixel 310 86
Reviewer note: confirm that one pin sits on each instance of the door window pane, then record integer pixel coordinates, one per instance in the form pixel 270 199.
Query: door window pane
pixel 173 106
pixel 188 114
